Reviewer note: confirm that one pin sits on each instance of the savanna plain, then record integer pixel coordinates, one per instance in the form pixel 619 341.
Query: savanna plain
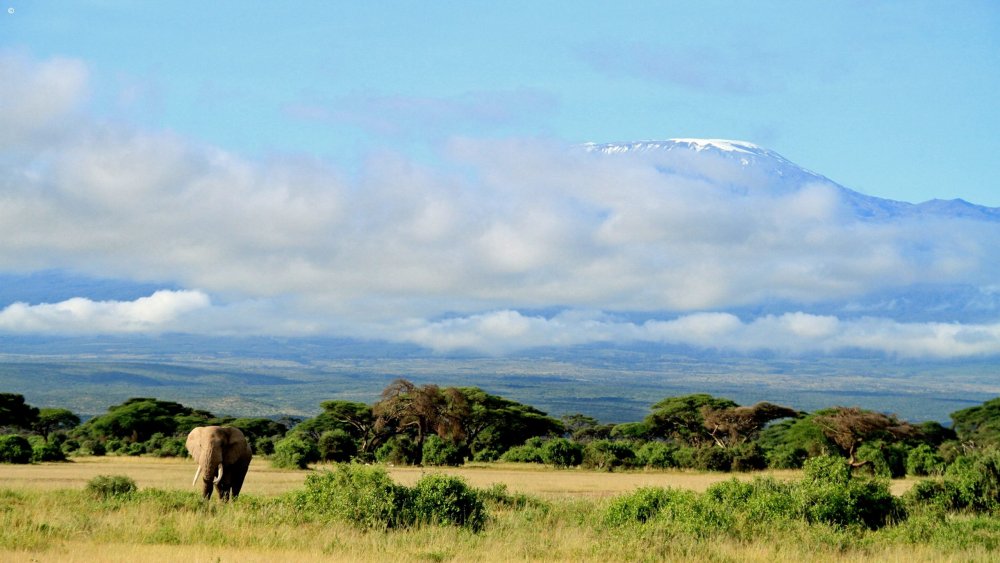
pixel 531 513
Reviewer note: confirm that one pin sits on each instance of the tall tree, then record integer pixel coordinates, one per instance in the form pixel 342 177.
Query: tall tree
pixel 849 427
pixel 730 426
pixel 53 420
pixel 680 418
pixel 495 424
pixel 422 410
pixel 15 413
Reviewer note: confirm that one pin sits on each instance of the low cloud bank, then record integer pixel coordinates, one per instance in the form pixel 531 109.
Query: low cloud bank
pixel 293 245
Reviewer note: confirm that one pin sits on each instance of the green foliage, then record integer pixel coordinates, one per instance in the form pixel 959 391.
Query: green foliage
pixel 645 503
pixel 561 452
pixel 294 452
pixel 607 455
pixel 656 455
pixel 444 499
pixel 52 420
pixel 712 458
pixel 971 483
pixel 438 451
pixel 367 497
pixel 138 419
pixel 747 457
pixel 828 493
pixel 979 425
pixel 105 487
pixel 924 460
pixel 495 424
pixel 15 413
pixel 398 450
pixel 42 450
pixel 680 418
pixel 14 449
pixel 529 452
pixel 882 459
pixel 786 456
pixel 336 445
pixel 361 495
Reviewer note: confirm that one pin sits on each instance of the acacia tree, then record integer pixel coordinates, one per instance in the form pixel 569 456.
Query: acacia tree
pixel 731 426
pixel 849 427
pixel 495 424
pixel 422 410
pixel 680 418
pixel 53 420
pixel 15 413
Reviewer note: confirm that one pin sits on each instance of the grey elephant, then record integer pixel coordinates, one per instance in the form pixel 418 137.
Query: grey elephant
pixel 223 457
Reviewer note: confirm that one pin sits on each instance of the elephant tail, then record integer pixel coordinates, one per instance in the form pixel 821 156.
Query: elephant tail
pixel 196 473
pixel 219 477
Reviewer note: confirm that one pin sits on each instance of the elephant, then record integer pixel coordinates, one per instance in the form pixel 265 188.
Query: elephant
pixel 223 456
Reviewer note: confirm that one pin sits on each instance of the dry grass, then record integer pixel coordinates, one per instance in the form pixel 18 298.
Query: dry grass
pixel 176 474
pixel 44 516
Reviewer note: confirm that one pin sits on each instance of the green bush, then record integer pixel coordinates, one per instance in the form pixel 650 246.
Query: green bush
pixel 883 460
pixel 924 460
pixel 656 455
pixel 645 503
pixel 294 452
pixel 14 449
pixel 526 453
pixel 786 456
pixel 441 452
pixel 444 499
pixel 684 457
pixel 399 450
pixel 111 486
pixel 45 451
pixel 336 445
pixel 361 495
pixel 561 452
pixel 971 483
pixel 712 458
pixel 828 493
pixel 747 457
pixel 608 455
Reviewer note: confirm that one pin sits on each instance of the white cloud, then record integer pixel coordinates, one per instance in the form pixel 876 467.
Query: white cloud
pixel 156 313
pixel 294 246
pixel 791 333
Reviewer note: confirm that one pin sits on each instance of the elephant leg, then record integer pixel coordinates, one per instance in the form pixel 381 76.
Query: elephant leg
pixel 239 472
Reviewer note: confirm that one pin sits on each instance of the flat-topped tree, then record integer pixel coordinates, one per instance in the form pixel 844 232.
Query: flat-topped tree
pixel 849 427
pixel 731 426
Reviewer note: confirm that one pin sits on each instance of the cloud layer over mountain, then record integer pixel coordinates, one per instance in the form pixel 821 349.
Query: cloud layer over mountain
pixel 464 250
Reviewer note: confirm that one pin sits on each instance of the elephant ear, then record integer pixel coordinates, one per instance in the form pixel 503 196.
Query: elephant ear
pixel 193 443
pixel 236 446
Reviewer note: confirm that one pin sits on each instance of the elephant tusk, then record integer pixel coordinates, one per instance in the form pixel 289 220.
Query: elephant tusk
pixel 219 478
pixel 196 473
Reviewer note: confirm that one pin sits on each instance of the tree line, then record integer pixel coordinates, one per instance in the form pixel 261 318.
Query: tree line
pixel 430 425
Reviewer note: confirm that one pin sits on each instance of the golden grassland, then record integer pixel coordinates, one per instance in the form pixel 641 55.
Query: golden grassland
pixel 45 515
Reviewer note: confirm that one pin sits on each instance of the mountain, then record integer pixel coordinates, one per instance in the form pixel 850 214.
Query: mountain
pixel 781 175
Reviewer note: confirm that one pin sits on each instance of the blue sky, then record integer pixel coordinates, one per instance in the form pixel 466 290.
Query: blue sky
pixel 894 99
pixel 413 172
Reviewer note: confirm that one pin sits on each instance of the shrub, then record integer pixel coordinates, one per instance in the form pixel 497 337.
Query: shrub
pixel 363 496
pixel 970 483
pixel 607 455
pixel 884 460
pixel 786 457
pixel 829 494
pixel 526 453
pixel 399 450
pixel 294 452
pixel 748 457
pixel 711 458
pixel 45 451
pixel 684 457
pixel 562 453
pixel 644 504
pixel 336 445
pixel 441 452
pixel 111 486
pixel 14 449
pixel 924 460
pixel 657 455
pixel 444 499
